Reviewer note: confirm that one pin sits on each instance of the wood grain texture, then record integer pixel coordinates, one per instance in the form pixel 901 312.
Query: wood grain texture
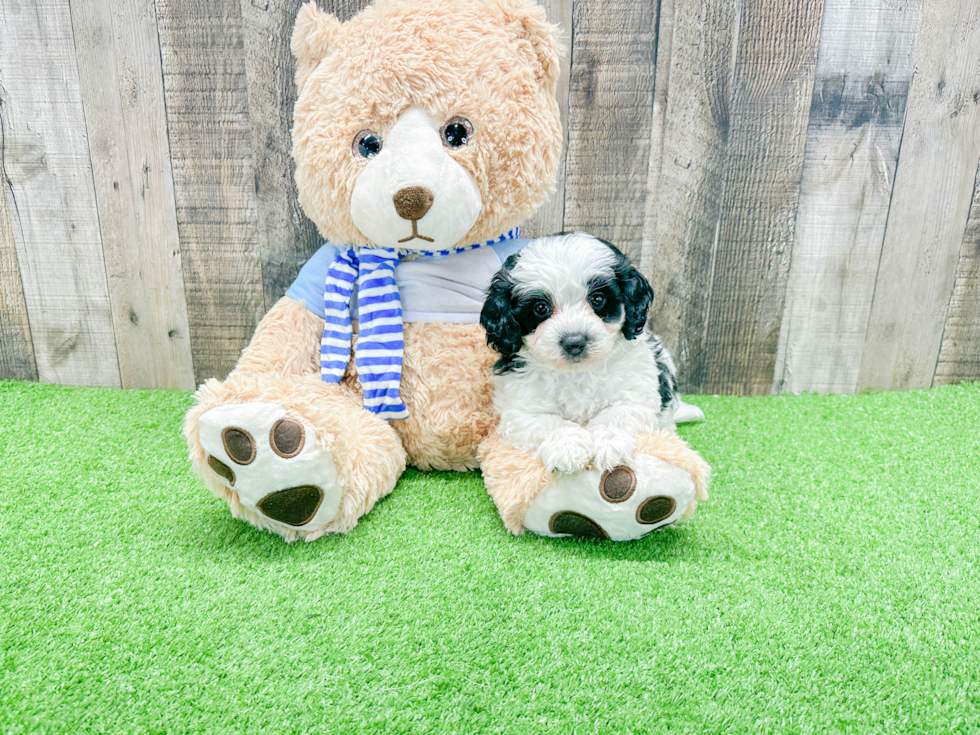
pixel 286 238
pixel 122 91
pixel 686 176
pixel 959 354
pixel 806 206
pixel 930 202
pixel 772 83
pixel 47 178
pixel 550 217
pixel 864 69
pixel 344 10
pixel 16 350
pixel 666 19
pixel 609 119
pixel 202 51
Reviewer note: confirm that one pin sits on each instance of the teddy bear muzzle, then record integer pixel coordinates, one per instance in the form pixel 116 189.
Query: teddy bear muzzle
pixel 412 193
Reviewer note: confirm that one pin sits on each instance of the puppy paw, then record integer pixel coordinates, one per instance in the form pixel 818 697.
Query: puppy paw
pixel 613 447
pixel 567 450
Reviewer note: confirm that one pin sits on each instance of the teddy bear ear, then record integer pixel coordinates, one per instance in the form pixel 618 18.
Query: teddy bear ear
pixel 313 35
pixel 534 27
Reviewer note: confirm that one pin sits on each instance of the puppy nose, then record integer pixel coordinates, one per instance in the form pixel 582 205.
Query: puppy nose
pixel 412 202
pixel 574 344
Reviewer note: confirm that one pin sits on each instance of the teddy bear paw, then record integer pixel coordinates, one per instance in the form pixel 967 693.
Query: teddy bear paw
pixel 620 504
pixel 272 462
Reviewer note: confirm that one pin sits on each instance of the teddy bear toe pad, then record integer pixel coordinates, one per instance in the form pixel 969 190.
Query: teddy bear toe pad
pixel 620 504
pixel 271 461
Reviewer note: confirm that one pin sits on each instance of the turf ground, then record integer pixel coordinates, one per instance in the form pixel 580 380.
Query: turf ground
pixel 831 584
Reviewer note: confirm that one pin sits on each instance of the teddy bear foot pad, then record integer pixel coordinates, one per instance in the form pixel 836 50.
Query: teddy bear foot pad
pixel 621 504
pixel 271 461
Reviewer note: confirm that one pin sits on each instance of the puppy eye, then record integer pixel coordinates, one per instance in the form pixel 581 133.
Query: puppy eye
pixel 542 309
pixel 367 144
pixel 456 132
pixel 597 301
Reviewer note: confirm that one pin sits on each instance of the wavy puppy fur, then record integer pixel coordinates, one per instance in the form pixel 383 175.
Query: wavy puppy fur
pixel 581 384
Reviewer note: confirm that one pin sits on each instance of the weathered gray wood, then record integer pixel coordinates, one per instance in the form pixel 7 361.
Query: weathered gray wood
pixel 959 355
pixel 550 217
pixel 864 69
pixel 48 183
pixel 286 237
pixel 685 125
pixel 206 94
pixel 122 91
pixel 930 202
pixel 686 178
pixel 771 90
pixel 609 119
pixel 16 350
pixel 666 17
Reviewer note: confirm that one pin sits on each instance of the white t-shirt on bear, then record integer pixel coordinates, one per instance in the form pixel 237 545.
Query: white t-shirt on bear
pixel 450 288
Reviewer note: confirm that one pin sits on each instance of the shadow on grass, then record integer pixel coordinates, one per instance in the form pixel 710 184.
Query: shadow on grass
pixel 220 536
pixel 670 545
pixel 209 527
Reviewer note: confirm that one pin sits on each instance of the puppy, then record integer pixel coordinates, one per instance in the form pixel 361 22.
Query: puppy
pixel 579 375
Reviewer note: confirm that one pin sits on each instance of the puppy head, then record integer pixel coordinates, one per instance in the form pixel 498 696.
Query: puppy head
pixel 564 300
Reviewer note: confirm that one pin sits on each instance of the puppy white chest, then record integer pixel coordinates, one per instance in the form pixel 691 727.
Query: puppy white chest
pixel 578 397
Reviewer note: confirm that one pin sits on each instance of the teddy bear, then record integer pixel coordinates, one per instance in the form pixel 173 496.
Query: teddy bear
pixel 424 132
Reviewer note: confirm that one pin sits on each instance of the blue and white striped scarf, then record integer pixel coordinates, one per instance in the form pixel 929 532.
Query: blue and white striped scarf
pixel 380 342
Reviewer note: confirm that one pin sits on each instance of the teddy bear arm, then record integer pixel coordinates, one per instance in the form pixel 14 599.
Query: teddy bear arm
pixel 287 451
pixel 669 447
pixel 662 485
pixel 513 479
pixel 286 342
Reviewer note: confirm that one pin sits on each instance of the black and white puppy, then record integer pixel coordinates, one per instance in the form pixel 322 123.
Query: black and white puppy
pixel 579 375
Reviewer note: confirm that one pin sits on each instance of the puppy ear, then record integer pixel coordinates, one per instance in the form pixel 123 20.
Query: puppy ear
pixel 313 35
pixel 637 296
pixel 498 318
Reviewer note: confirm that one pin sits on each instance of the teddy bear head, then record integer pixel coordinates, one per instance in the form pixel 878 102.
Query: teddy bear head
pixel 425 124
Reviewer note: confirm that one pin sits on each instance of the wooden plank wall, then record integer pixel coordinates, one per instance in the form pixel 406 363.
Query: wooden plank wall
pixel 800 179
pixel 857 116
pixel 50 193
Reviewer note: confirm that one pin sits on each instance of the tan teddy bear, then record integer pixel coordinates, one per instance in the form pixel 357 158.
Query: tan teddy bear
pixel 425 130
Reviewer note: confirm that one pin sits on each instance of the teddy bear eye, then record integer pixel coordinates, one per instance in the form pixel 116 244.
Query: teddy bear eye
pixel 597 301
pixel 367 144
pixel 456 132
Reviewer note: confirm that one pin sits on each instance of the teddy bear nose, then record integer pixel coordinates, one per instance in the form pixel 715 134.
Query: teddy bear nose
pixel 412 202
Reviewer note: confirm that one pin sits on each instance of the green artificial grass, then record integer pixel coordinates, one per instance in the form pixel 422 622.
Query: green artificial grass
pixel 831 584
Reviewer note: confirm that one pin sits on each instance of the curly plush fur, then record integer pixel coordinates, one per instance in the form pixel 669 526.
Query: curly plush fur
pixel 514 477
pixel 494 62
pixel 580 384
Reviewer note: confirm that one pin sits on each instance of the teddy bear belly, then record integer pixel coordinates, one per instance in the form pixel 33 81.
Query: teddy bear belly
pixel 447 386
